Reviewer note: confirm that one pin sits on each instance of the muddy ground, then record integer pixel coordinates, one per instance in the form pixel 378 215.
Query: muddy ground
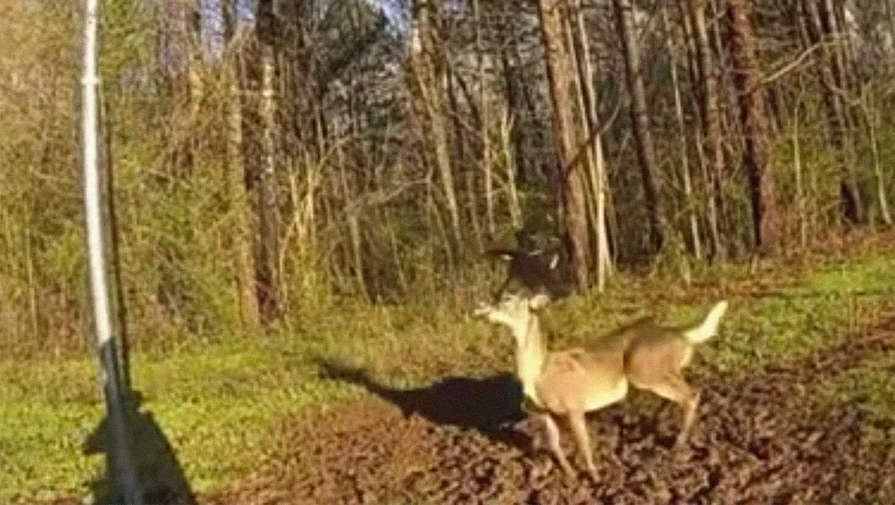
pixel 761 438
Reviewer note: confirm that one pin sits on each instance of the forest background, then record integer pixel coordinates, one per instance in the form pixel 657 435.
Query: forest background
pixel 273 157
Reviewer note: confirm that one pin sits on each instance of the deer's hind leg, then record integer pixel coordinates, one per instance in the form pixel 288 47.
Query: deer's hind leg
pixel 672 386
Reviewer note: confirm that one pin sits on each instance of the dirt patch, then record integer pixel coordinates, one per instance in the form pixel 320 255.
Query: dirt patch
pixel 762 438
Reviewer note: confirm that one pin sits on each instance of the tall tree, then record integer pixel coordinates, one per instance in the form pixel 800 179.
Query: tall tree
pixel 821 27
pixel 427 72
pixel 766 215
pixel 560 70
pixel 711 119
pixel 268 213
pixel 658 223
pixel 596 166
pixel 682 142
pixel 246 285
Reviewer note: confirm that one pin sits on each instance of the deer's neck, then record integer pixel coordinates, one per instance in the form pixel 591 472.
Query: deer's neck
pixel 530 355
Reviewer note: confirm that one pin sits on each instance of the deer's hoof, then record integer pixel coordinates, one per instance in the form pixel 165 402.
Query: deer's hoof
pixel 568 472
pixel 592 473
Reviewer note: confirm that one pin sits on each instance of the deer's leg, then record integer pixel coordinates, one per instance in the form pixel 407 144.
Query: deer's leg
pixel 553 441
pixel 579 428
pixel 674 388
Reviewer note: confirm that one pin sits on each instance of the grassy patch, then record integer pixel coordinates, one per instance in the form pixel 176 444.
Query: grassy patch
pixel 820 310
pixel 216 408
pixel 217 403
pixel 869 388
pixel 41 443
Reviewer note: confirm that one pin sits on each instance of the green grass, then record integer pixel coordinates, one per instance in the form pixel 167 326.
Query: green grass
pixel 216 408
pixel 218 403
pixel 824 308
pixel 219 400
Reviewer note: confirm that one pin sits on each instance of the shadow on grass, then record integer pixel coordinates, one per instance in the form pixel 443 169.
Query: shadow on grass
pixel 489 405
pixel 159 474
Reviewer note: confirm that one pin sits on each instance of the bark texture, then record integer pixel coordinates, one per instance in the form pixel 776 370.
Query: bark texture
pixel 560 71
pixel 766 217
pixel 658 223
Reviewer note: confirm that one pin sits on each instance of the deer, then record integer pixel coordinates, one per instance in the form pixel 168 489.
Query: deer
pixel 537 264
pixel 566 384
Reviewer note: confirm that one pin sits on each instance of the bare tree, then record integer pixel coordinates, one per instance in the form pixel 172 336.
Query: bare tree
pixel 682 131
pixel 871 112
pixel 766 216
pixel 711 121
pixel 487 174
pixel 820 31
pixel 268 212
pixel 427 72
pixel 596 163
pixel 554 18
pixel 658 224
pixel 241 208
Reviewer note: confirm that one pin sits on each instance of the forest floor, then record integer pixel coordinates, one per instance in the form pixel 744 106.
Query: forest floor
pixel 813 427
pixel 761 438
pixel 416 405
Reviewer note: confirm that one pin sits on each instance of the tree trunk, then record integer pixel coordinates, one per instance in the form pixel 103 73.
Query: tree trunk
pixel 268 213
pixel 682 131
pixel 658 224
pixel 711 122
pixel 506 143
pixel 246 288
pixel 766 216
pixel 890 17
pixel 596 173
pixel 871 111
pixel 560 72
pixel 853 207
pixel 797 166
pixel 428 86
pixel 843 74
pixel 484 123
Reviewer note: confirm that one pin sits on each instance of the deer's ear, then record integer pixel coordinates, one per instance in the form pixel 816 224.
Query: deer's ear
pixel 538 301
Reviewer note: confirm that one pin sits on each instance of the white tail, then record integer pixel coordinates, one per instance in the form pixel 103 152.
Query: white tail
pixel 571 382
pixel 709 327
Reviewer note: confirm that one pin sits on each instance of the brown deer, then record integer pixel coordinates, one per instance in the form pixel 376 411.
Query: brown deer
pixel 574 381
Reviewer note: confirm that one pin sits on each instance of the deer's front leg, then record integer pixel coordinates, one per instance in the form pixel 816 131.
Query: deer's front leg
pixel 553 441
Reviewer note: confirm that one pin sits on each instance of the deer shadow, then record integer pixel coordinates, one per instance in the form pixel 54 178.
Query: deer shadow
pixel 490 405
pixel 158 474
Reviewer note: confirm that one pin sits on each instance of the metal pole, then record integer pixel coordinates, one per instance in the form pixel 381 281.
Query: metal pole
pixel 119 451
